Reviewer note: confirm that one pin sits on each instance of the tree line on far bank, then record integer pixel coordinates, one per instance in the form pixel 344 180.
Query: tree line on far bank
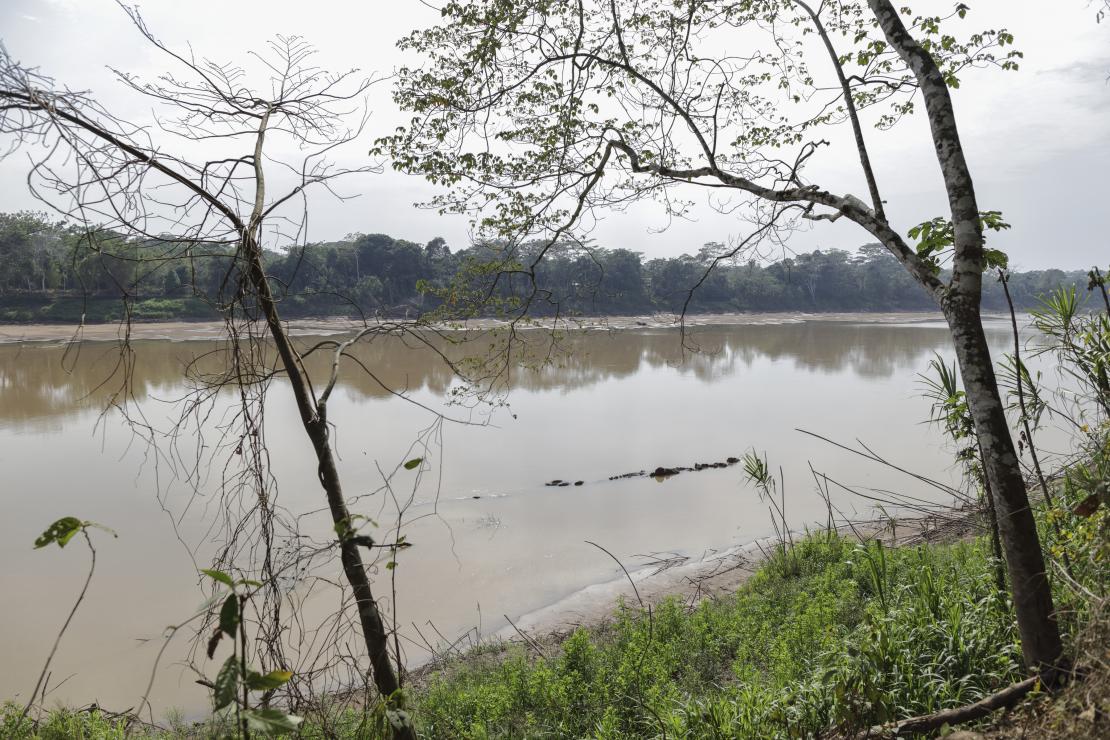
pixel 45 275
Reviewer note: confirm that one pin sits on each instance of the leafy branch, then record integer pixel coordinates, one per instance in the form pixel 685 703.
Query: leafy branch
pixel 60 533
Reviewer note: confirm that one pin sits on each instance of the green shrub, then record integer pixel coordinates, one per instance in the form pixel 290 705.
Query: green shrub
pixel 61 724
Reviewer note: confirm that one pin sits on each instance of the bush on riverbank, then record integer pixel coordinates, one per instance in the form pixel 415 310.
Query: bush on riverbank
pixel 77 309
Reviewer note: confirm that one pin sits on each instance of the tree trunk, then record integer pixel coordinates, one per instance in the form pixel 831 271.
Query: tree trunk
pixel 314 419
pixel 996 540
pixel 1040 635
pixel 313 416
pixel 316 426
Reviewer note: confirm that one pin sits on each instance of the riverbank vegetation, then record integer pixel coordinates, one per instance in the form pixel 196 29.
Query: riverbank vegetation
pixel 49 273
pixel 833 639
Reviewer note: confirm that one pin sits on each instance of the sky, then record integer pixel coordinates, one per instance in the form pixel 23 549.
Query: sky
pixel 1037 141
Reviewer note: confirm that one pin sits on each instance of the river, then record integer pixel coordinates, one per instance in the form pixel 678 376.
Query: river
pixel 489 537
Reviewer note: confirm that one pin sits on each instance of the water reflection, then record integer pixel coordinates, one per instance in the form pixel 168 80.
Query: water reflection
pixel 42 381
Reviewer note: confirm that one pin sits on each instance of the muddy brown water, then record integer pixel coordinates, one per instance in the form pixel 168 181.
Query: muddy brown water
pixel 490 539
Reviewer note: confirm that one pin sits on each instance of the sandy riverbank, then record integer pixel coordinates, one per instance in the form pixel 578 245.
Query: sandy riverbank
pixel 209 330
pixel 713 574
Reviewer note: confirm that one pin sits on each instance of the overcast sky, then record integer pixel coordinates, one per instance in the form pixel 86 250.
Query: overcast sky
pixel 1038 140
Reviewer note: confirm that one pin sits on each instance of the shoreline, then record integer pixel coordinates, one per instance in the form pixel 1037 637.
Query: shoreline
pixel 214 330
pixel 715 574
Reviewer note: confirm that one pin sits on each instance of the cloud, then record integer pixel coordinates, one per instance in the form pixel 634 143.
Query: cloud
pixel 1038 140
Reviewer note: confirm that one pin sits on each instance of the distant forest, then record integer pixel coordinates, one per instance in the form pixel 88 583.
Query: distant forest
pixel 53 272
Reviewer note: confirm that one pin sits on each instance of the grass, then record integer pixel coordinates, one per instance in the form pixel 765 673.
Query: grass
pixel 60 724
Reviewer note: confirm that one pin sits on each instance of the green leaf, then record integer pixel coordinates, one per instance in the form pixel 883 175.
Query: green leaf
pixel 61 531
pixel 219 575
pixel 270 721
pixel 229 615
pixel 413 463
pixel 346 527
pixel 272 680
pixel 249 582
pixel 227 682
pixel 993 220
pixel 995 258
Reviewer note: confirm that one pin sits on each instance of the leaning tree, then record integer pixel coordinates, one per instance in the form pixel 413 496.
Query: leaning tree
pixel 199 183
pixel 536 114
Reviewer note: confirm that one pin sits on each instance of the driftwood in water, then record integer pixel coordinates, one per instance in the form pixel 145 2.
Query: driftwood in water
pixel 657 472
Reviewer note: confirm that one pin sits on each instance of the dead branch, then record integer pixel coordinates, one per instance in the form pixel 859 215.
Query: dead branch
pixel 1003 699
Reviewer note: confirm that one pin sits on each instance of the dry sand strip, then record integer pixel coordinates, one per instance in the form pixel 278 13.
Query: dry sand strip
pixel 212 330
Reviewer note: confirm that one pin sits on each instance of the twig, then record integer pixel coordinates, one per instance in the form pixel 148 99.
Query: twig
pixel 535 645
pixel 1019 377
pixel 65 626
pixel 626 574
pixel 870 455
